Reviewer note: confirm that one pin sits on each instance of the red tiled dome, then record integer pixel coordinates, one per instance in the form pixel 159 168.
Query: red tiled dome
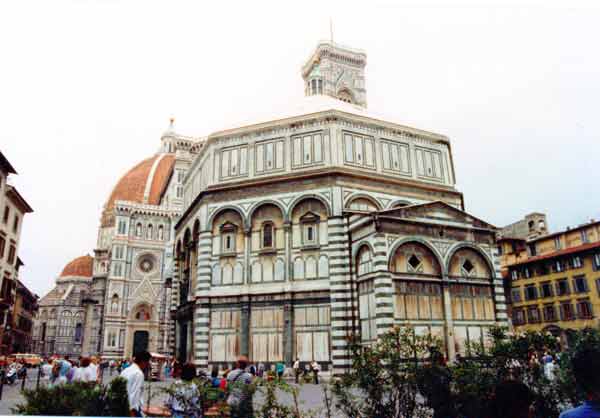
pixel 144 183
pixel 81 267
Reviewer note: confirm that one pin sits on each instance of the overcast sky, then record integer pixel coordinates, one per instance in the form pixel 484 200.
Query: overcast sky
pixel 87 88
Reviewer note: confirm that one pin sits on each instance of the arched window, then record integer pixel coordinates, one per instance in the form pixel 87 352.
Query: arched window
pixel 149 231
pixel 267 235
pixel 138 230
pixel 364 261
pixel 114 304
pixel 161 233
pixel 228 234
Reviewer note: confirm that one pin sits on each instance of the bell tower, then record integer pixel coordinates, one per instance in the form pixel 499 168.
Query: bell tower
pixel 336 71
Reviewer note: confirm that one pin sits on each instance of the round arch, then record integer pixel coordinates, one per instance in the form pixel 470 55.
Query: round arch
pixel 463 245
pixel 211 218
pixel 256 206
pixel 359 246
pixel 417 240
pixel 299 199
pixel 355 196
pixel 143 304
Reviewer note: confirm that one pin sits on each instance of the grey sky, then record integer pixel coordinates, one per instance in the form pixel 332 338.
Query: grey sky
pixel 87 87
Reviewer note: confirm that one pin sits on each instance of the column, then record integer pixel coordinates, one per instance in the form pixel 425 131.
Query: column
pixel 340 294
pixel 201 317
pixel 288 331
pixel 245 329
pixel 383 287
pixel 448 323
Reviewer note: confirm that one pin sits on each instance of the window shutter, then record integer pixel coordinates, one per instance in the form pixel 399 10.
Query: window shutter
pixel 579 311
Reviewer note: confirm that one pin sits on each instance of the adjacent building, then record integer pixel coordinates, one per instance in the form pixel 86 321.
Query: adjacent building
pixel 13 208
pixel 322 221
pixel 553 280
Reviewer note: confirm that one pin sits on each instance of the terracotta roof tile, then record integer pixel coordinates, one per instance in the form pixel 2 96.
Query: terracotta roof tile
pixel 566 251
pixel 132 186
pixel 81 266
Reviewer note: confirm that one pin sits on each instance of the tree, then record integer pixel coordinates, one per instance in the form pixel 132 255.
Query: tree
pixel 385 376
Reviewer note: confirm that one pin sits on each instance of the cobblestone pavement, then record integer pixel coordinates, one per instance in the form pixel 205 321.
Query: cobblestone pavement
pixel 311 396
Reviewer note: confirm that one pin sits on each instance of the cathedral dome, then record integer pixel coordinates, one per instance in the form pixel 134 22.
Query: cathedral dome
pixel 144 183
pixel 80 267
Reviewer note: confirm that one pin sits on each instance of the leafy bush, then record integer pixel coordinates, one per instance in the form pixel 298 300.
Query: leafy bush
pixel 384 379
pixel 78 399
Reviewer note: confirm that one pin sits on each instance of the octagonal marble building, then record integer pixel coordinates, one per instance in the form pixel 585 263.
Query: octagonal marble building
pixel 322 221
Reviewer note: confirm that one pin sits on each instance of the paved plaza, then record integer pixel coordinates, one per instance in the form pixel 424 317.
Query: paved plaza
pixel 311 396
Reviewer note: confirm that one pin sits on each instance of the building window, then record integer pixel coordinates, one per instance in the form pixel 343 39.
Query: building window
pixel 566 311
pixel 119 252
pixel 114 304
pixel 584 237
pixel 395 157
pixel 78 333
pixel 546 290
pixel 138 230
pixel 11 254
pixel 557 244
pixel 468 268
pixel 549 313
pixel 359 150
pixel 112 339
pixel 365 263
pixel 270 156
pixel 577 262
pixel 149 231
pixel 558 266
pixel 228 237
pixel 530 292
pixel 532 249
pixel 533 315
pixel 562 287
pixel 6 214
pixel 267 235
pixel 161 233
pixel 310 224
pixel 16 224
pixel 580 284
pixel 584 309
pixel 598 286
pixel 597 261
pixel 2 246
pixel 526 272
pixel 308 150
pixel 516 294
pixel 368 329
pixel 122 229
pixel 518 316
pixel 514 274
pixel 234 162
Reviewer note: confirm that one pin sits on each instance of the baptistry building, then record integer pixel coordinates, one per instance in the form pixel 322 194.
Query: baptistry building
pixel 322 221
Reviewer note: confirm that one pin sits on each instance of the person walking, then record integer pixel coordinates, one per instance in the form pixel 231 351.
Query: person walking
pixel 280 368
pixel 296 368
pixel 315 369
pixel 240 398
pixel 134 375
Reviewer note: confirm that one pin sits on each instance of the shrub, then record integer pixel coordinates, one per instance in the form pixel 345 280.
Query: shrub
pixel 78 399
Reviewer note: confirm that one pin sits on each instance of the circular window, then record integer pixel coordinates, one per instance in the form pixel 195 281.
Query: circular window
pixel 146 263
